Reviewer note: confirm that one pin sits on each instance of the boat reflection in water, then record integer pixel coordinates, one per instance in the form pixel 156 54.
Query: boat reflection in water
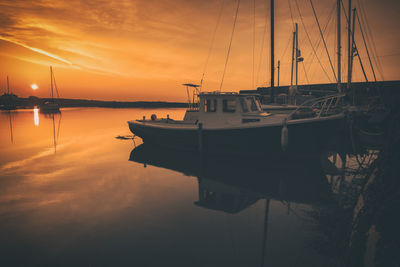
pixel 232 184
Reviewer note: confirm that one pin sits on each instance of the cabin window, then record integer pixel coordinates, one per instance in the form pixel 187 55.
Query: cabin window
pixel 244 105
pixel 210 105
pixel 253 104
pixel 228 105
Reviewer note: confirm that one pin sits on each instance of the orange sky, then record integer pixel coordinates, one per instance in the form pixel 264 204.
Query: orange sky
pixel 145 49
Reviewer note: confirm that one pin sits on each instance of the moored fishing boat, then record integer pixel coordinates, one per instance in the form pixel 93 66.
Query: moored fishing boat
pixel 231 123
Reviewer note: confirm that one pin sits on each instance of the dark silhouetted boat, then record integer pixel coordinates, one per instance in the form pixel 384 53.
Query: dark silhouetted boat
pixel 8 99
pixel 51 106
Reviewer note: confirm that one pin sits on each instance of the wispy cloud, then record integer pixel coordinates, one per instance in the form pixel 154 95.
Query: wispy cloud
pixel 37 50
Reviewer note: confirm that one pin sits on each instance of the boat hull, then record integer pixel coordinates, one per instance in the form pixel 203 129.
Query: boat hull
pixel 308 136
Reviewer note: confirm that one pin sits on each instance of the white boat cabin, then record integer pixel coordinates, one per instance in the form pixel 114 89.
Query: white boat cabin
pixel 232 108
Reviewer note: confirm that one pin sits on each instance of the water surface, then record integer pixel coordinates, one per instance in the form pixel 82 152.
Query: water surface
pixel 73 194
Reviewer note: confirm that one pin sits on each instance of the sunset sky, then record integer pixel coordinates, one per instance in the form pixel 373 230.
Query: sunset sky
pixel 145 49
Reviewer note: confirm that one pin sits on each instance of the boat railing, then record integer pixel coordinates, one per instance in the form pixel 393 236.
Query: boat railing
pixel 319 107
pixel 194 106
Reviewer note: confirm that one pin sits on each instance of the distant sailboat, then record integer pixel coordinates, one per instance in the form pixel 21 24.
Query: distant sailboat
pixel 51 106
pixel 8 99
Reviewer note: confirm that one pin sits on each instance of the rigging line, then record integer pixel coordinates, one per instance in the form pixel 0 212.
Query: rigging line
pixel 291 12
pixel 311 55
pixel 372 42
pixel 262 48
pixel 212 43
pixel 366 48
pixel 323 39
pixel 355 46
pixel 365 44
pixel 309 39
pixel 254 39
pixel 361 64
pixel 361 21
pixel 305 73
pixel 55 85
pixel 287 46
pixel 230 45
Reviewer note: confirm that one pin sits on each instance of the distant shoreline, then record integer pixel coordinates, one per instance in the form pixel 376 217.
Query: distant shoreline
pixel 30 102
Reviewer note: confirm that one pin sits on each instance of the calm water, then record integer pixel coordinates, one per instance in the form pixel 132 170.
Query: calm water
pixel 73 194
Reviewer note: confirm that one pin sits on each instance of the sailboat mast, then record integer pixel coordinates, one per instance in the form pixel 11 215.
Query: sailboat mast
pixel 352 49
pixel 293 48
pixel 279 67
pixel 8 86
pixel 349 48
pixel 51 81
pixel 297 53
pixel 272 51
pixel 352 44
pixel 339 66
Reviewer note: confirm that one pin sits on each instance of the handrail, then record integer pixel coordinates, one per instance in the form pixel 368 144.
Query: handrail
pixel 324 108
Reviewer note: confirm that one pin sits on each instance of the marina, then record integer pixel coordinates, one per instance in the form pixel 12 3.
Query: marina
pixel 281 149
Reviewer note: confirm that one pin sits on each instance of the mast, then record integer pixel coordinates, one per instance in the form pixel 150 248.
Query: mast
pixel 297 52
pixel 349 48
pixel 272 52
pixel 352 49
pixel 339 80
pixel 279 67
pixel 352 44
pixel 51 81
pixel 8 86
pixel 293 51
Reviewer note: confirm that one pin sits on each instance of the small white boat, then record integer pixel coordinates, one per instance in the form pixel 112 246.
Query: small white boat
pixel 231 123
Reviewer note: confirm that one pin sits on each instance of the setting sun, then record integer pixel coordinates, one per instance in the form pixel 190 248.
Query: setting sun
pixel 34 86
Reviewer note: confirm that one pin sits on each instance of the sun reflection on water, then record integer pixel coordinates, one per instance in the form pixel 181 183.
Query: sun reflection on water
pixel 36 116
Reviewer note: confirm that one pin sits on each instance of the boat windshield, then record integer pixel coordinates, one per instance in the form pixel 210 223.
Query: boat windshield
pixel 228 105
pixel 243 104
pixel 254 105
